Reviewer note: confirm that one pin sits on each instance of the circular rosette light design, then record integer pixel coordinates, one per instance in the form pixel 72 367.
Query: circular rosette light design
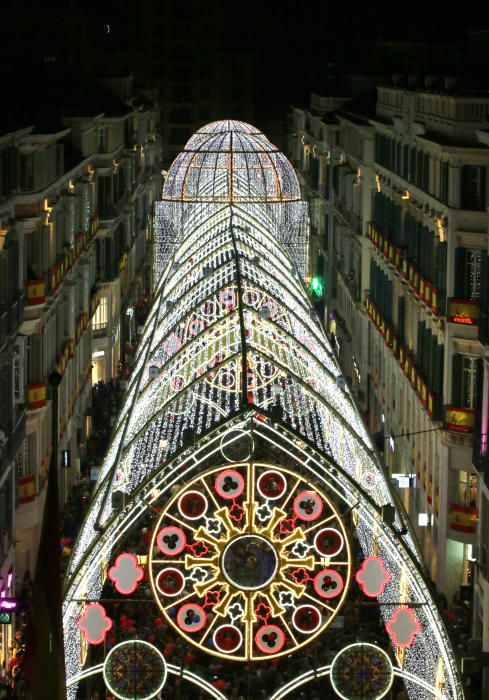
pixel 362 672
pixel 249 561
pixel 134 670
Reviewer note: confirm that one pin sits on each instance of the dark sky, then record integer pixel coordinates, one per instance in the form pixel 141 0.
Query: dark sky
pixel 298 46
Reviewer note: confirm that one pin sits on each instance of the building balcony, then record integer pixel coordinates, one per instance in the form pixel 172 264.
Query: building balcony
pixel 459 420
pixel 10 319
pixel 428 398
pixel 14 442
pixel 353 220
pixel 17 436
pixel 424 290
pixel 83 239
pixel 480 447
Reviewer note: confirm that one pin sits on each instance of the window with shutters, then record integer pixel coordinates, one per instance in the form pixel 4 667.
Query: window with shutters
pixel 18 369
pixel 35 357
pixel 468 273
pixel 26 179
pixel 473 187
pixel 405 161
pixel 401 316
pixel 444 182
pixel 465 370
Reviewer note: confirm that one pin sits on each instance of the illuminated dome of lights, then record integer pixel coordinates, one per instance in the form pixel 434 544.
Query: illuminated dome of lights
pixel 240 496
pixel 231 161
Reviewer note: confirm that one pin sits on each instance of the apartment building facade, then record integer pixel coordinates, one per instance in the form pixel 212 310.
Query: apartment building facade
pixel 406 210
pixel 76 247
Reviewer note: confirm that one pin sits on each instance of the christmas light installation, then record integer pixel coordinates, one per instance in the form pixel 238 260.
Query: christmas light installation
pixel 232 369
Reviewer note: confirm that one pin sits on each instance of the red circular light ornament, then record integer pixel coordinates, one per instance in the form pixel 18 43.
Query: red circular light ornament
pixel 308 506
pixel 328 542
pixel 269 639
pixel 229 484
pixel 306 619
pixel 192 505
pixel 191 618
pixel 171 540
pixel 328 583
pixel 170 582
pixel 227 639
pixel 271 485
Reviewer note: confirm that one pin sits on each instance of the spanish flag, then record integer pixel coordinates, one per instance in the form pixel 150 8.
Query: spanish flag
pixel 463 518
pixel 36 395
pixel 36 292
pixel 27 489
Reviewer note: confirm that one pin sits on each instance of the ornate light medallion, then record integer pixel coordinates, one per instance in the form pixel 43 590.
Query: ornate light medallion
pixel 361 671
pixel 249 561
pixel 134 670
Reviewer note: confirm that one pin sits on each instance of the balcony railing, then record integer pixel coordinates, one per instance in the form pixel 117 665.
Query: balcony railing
pixel 423 289
pixel 353 220
pixel 429 400
pixel 82 240
pixel 10 319
pixel 17 435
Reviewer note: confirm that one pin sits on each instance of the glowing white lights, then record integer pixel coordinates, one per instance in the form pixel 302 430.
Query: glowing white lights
pixel 232 358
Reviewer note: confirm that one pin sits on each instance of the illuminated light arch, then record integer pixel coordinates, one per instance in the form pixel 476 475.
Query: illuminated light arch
pixel 176 671
pixel 428 692
pixel 212 363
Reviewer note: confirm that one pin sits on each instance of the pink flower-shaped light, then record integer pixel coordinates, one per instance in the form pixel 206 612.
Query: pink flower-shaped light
pixel 126 573
pixel 403 627
pixel 94 623
pixel 373 577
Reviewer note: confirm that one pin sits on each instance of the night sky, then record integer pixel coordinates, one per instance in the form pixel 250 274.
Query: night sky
pixel 296 47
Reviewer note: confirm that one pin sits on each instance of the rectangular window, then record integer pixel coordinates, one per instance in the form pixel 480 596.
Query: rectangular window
pixel 18 369
pixel 401 316
pixel 100 317
pixel 464 380
pixel 26 172
pixel 473 187
pixel 468 273
pixel 102 139
pixel 444 182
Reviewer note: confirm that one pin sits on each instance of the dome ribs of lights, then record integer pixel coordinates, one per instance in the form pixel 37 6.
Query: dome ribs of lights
pixel 235 431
